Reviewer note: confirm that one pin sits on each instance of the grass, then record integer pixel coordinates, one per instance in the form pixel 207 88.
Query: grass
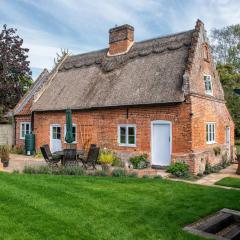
pixel 229 182
pixel 70 207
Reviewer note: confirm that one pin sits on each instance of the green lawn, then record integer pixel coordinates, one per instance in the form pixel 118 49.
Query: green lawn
pixel 67 207
pixel 229 182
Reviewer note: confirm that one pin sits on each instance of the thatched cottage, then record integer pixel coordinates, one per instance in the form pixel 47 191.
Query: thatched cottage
pixel 161 97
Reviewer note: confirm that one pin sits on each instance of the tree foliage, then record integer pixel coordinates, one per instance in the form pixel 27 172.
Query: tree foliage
pixel 15 74
pixel 231 80
pixel 226 52
pixel 226 45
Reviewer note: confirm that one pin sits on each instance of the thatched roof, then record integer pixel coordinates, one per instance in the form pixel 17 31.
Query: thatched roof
pixel 150 73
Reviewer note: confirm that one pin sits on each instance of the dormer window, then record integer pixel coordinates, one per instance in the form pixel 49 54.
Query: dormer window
pixel 208 84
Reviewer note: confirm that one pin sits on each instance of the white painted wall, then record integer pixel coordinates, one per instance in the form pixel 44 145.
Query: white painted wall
pixel 6 134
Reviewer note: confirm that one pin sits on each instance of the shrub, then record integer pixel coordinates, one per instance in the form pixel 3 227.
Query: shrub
pixel 106 157
pixel 4 153
pixel 17 150
pixel 38 155
pixel 179 169
pixel 217 151
pixel 101 173
pixel 46 169
pixel 157 177
pixel 145 176
pixel 117 162
pixel 139 162
pixel 119 172
pixel 132 174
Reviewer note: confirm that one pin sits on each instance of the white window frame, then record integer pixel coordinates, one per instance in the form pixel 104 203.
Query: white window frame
pixel 119 135
pixel 208 92
pixel 21 126
pixel 210 133
pixel 65 131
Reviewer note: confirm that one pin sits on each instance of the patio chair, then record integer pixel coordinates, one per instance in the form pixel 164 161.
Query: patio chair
pixel 91 158
pixel 48 156
pixel 93 145
pixel 69 156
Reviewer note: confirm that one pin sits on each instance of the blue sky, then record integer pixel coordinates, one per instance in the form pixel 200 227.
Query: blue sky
pixel 82 25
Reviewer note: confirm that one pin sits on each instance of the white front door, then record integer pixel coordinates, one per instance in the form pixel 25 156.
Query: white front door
pixel 161 143
pixel 228 141
pixel 55 138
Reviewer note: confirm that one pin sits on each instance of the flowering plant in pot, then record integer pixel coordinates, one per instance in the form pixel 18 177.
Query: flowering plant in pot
pixel 4 154
pixel 106 159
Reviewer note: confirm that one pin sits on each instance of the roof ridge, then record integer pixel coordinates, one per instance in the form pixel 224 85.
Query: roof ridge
pixel 142 41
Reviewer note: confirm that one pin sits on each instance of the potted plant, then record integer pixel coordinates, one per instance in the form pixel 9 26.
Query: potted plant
pixel 106 159
pixel 4 153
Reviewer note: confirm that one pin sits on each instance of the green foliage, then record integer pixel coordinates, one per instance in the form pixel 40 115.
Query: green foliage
pixel 230 80
pixel 17 150
pixel 106 157
pixel 38 155
pixel 217 151
pixel 226 45
pixel 132 174
pixel 179 169
pixel 157 177
pixel 218 167
pixel 4 153
pixel 139 161
pixel 119 172
pixel 15 72
pixel 101 173
pixel 61 170
pixel 117 162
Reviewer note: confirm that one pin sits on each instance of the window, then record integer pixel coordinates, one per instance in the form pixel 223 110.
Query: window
pixel 56 132
pixel 127 135
pixel 74 132
pixel 208 84
pixel 25 128
pixel 210 133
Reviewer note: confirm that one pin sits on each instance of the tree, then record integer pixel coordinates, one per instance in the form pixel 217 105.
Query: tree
pixel 15 74
pixel 226 45
pixel 230 80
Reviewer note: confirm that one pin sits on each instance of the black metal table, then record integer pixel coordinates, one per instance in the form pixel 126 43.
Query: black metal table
pixel 79 154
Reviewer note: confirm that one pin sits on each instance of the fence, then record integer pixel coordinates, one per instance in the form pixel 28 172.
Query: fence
pixel 6 134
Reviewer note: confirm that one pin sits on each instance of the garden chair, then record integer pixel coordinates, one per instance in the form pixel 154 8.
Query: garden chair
pixel 91 158
pixel 48 156
pixel 69 156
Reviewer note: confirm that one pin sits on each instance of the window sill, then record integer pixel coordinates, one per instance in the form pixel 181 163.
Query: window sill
pixel 127 145
pixel 210 143
pixel 209 93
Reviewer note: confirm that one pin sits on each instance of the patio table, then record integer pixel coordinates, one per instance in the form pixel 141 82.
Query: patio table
pixel 61 153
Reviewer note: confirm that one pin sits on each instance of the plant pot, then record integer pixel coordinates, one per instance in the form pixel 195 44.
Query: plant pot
pixel 5 163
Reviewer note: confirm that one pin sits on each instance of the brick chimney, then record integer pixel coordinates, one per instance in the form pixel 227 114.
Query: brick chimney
pixel 120 39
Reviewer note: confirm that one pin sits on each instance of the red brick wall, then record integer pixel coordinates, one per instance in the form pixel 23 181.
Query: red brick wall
pixel 101 126
pixel 18 120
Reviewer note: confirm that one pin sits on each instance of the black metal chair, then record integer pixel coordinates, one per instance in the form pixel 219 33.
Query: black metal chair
pixel 91 158
pixel 93 145
pixel 48 156
pixel 69 156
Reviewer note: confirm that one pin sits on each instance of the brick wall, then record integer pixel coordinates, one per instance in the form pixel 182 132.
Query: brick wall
pixel 101 126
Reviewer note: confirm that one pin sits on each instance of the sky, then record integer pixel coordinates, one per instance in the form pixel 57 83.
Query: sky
pixel 80 26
